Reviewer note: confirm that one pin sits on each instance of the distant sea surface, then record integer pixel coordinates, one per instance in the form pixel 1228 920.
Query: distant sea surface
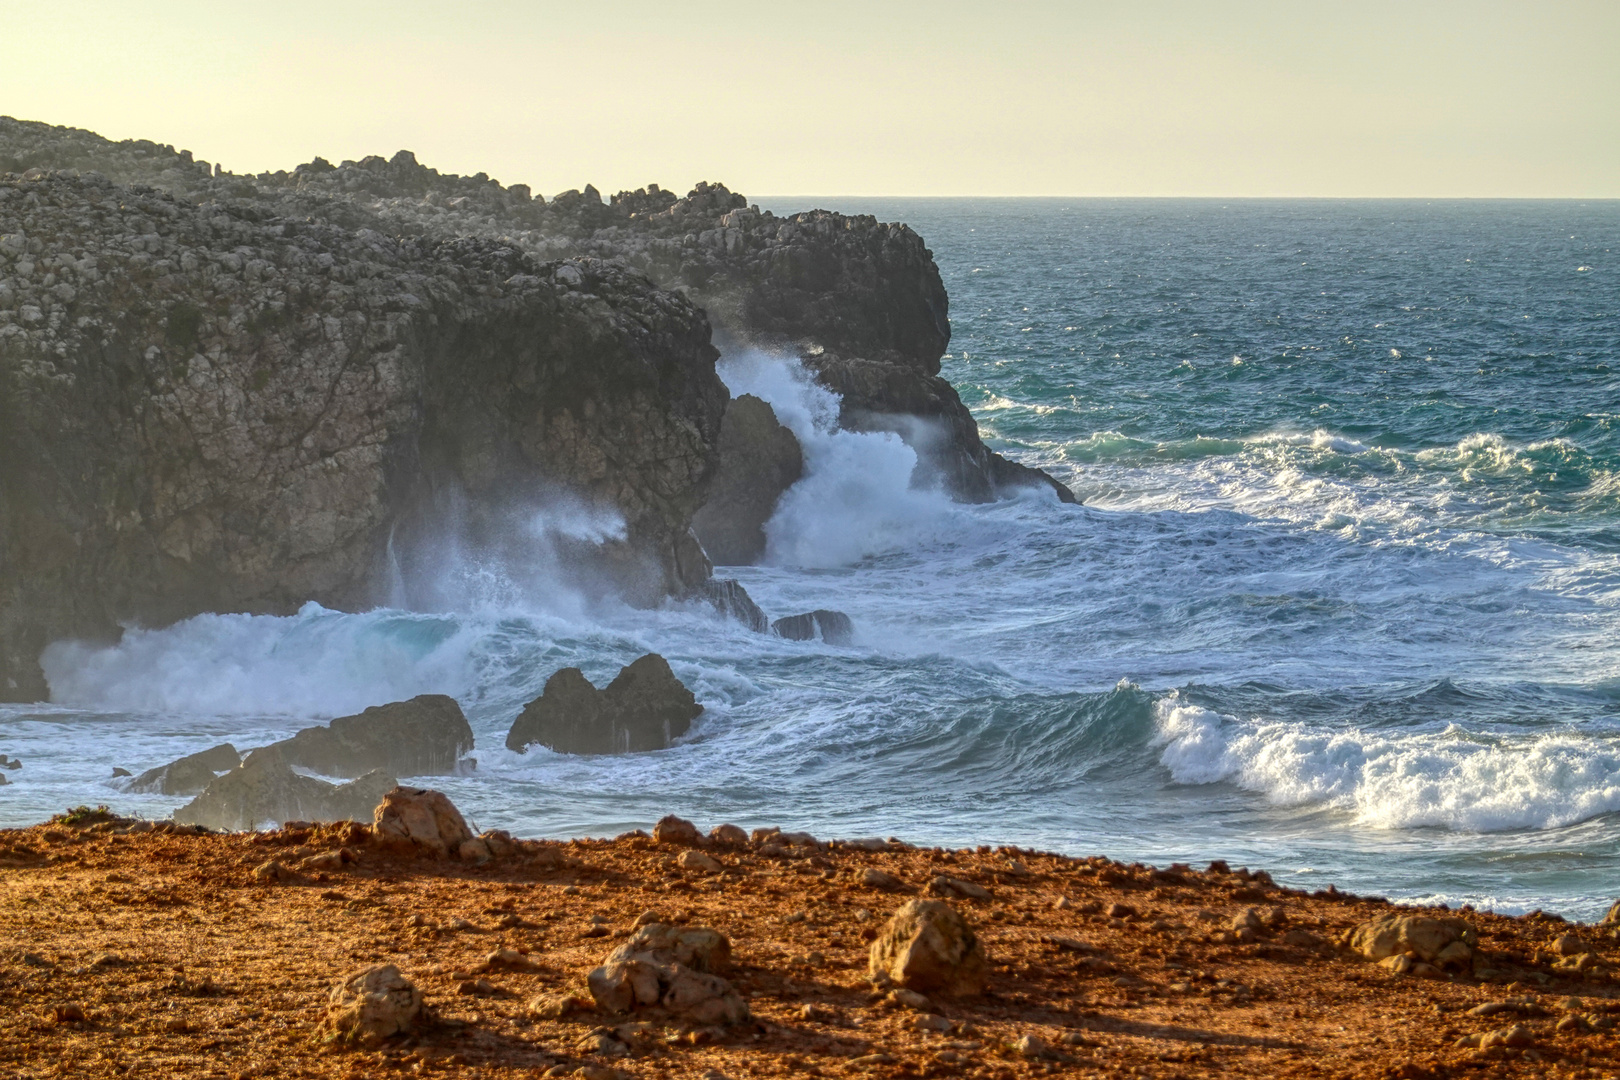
pixel 1343 600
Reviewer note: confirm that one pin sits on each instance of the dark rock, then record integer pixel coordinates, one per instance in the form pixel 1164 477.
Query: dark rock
pixel 187 775
pixel 732 600
pixel 16 763
pixel 118 772
pixel 833 627
pixel 264 789
pixel 759 460
pixel 424 736
pixel 219 409
pixel 238 393
pixel 644 708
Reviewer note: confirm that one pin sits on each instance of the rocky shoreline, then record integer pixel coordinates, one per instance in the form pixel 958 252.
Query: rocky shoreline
pixel 412 945
pixel 243 393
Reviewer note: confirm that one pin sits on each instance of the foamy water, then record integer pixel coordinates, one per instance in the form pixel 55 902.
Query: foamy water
pixel 1345 614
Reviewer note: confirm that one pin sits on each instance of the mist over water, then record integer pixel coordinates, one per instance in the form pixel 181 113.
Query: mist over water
pixel 1343 601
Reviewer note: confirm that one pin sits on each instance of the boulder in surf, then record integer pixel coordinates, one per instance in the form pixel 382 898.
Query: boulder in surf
pixel 644 708
pixel 425 736
pixel 832 627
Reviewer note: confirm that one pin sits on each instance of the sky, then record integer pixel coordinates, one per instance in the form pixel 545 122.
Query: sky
pixel 1018 97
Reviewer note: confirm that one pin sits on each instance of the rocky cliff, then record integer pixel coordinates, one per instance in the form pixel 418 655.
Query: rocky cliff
pixel 223 392
pixel 207 407
pixel 860 301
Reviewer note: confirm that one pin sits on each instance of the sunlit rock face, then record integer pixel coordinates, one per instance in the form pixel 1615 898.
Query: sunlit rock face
pixel 209 408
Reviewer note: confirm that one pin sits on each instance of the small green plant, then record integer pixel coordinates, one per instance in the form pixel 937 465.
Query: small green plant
pixel 84 815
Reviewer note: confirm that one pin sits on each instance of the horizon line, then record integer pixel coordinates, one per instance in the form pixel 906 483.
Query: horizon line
pixel 1218 198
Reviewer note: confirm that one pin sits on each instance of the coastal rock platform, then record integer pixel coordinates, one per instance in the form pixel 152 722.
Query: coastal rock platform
pixel 128 948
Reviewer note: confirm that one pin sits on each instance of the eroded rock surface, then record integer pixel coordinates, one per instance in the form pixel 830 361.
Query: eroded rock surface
pixel 928 947
pixel 424 736
pixel 190 774
pixel 264 789
pixel 372 1005
pixel 214 408
pixel 644 708
pixel 422 821
pixel 680 968
pixel 1442 942
pixel 223 392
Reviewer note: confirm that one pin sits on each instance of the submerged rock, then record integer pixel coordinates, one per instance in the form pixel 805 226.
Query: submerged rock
pixel 644 708
pixel 190 774
pixel 759 460
pixel 264 789
pixel 832 627
pixel 425 736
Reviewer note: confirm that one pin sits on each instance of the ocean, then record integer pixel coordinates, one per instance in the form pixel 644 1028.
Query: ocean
pixel 1342 601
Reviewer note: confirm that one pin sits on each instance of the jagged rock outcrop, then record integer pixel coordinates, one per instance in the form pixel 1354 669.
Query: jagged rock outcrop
pixel 206 408
pixel 644 708
pixel 265 789
pixel 425 736
pixel 188 775
pixel 759 459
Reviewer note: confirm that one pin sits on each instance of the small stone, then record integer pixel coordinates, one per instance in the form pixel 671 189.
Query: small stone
pixel 909 999
pixel 1120 911
pixel 70 1013
pixel 372 1005
pixel 1249 919
pixel 1569 945
pixel 695 860
pixel 477 988
pixel 729 835
pixel 1031 1046
pixel 930 1022
pixel 1517 1035
pixel 873 878
pixel 273 871
pixel 673 830
pixel 1063 903
pixel 927 946
pixel 554 1006
pixel 955 887
pixel 508 959
pixel 646 918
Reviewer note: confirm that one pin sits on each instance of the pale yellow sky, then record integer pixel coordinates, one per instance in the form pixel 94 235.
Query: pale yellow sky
pixel 1371 98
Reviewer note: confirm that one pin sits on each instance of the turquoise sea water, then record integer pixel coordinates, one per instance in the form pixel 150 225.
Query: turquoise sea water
pixel 1343 600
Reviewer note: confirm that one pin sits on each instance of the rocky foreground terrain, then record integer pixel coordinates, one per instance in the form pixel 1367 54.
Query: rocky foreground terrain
pixel 411 946
pixel 241 393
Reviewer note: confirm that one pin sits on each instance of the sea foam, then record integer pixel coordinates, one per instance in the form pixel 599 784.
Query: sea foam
pixel 1449 779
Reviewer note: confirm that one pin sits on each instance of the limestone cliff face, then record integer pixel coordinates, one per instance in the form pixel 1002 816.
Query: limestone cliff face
pixel 240 393
pixel 210 407
pixel 861 301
